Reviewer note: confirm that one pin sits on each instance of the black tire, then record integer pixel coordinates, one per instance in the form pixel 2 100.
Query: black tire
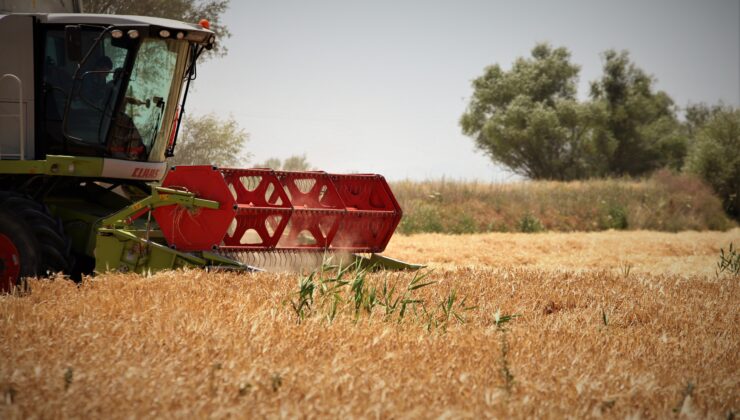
pixel 36 236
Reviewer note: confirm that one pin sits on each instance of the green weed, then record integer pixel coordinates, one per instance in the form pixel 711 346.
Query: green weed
pixel 625 267
pixel 306 288
pixel 334 290
pixel 68 376
pixel 604 318
pixel 728 261
pixel 504 366
pixel 393 302
pixel 451 308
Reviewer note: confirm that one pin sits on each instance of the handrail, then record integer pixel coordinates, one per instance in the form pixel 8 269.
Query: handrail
pixel 21 120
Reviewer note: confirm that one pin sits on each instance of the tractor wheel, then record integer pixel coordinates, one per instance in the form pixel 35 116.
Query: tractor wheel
pixel 32 242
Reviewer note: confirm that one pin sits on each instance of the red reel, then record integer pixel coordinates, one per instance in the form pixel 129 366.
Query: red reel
pixel 264 210
pixel 200 228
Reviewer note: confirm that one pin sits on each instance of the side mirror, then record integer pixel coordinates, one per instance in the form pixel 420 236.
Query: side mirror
pixel 73 42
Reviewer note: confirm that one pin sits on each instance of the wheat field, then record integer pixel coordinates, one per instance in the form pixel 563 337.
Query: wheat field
pixel 610 324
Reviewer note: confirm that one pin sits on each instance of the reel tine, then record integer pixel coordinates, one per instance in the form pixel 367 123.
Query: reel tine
pixel 285 260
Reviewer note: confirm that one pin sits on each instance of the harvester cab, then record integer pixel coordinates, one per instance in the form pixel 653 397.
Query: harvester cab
pixel 90 108
pixel 99 86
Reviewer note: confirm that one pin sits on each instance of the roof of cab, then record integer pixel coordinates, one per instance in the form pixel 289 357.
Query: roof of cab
pixel 125 20
pixel 71 18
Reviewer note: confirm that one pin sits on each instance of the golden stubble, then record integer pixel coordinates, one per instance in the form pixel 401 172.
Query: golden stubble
pixel 589 341
pixel 688 252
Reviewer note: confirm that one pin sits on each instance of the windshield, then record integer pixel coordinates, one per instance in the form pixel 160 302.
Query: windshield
pixel 122 102
pixel 149 91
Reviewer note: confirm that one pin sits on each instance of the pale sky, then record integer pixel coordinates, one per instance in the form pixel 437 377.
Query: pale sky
pixel 379 86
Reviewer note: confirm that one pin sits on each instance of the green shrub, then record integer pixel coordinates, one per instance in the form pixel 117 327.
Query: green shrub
pixel 616 218
pixel 423 218
pixel 464 224
pixel 530 224
pixel 715 157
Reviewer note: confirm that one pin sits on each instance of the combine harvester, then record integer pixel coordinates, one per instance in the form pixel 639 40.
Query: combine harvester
pixel 90 108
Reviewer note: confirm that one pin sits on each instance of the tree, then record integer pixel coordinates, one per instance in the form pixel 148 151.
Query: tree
pixel 643 131
pixel 183 10
pixel 714 155
pixel 208 140
pixel 296 163
pixel 292 163
pixel 528 119
pixel 271 163
pixel 697 115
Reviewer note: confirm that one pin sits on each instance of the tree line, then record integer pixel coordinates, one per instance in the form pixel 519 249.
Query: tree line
pixel 529 119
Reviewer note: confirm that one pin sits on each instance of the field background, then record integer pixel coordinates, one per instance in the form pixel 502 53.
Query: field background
pixel 665 201
pixel 610 323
